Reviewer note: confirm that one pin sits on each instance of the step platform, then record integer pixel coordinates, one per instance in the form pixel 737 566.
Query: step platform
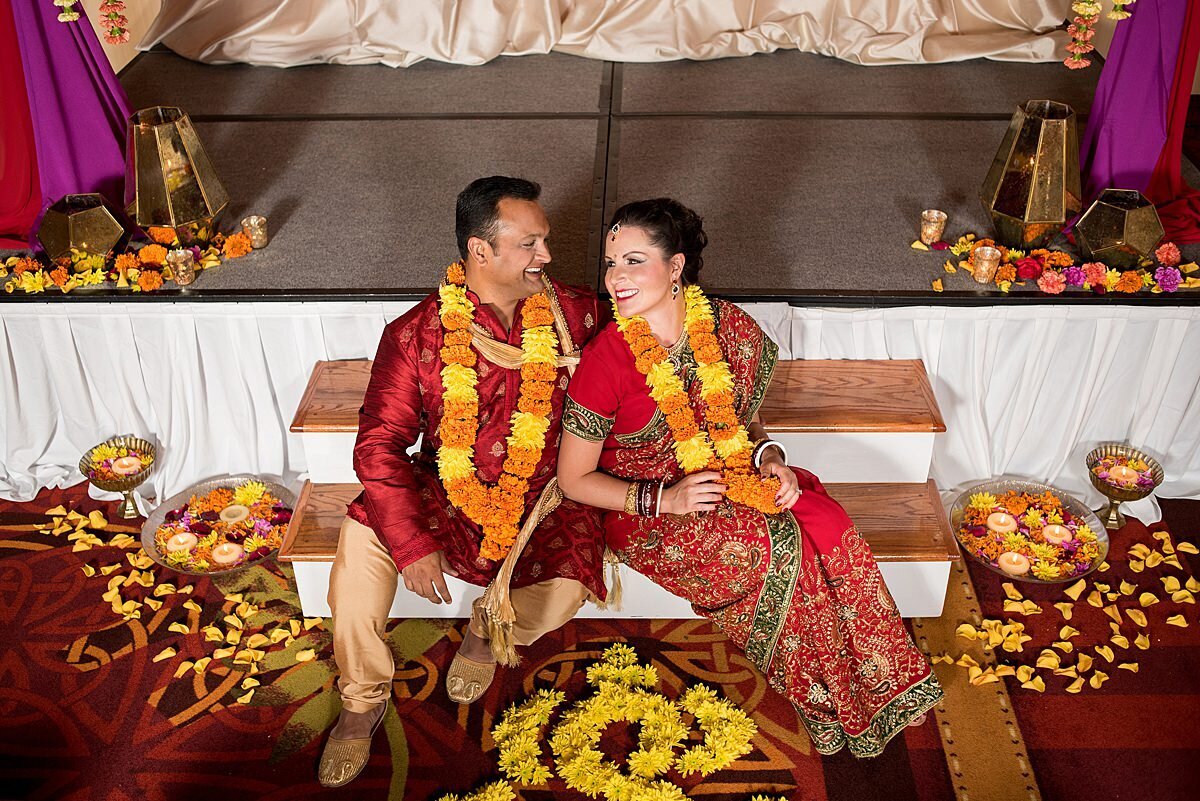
pixel 905 525
pixel 846 420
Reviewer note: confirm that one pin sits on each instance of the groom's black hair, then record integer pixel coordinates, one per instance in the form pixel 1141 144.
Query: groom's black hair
pixel 477 211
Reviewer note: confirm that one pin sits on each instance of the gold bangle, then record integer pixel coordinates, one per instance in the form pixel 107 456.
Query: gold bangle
pixel 631 499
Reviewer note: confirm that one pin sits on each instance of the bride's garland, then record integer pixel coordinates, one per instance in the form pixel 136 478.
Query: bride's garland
pixel 724 446
pixel 498 507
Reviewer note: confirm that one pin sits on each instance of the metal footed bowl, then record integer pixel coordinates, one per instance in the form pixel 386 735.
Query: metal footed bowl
pixel 1111 515
pixel 158 518
pixel 126 484
pixel 999 487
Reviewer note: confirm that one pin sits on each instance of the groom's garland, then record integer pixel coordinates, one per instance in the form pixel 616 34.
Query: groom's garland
pixel 498 507
pixel 724 446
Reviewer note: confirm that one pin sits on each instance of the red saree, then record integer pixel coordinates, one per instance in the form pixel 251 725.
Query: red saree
pixel 799 592
pixel 403 500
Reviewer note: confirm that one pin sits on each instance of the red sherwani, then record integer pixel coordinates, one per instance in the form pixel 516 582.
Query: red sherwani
pixel 403 501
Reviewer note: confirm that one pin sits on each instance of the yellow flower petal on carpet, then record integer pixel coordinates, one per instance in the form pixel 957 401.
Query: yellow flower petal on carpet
pixel 96 520
pixel 313 622
pixel 201 664
pixel 179 628
pixel 165 653
pixel 1075 590
pixel 245 699
pixel 223 653
pixel 307 655
pixel 57 511
pixel 192 605
pixel 1132 667
pixel 249 682
pixel 1177 620
pixel 1142 642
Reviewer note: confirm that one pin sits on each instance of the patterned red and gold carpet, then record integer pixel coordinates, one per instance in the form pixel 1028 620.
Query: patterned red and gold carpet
pixel 86 713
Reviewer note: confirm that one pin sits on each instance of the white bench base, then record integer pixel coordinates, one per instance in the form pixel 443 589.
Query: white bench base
pixel 918 587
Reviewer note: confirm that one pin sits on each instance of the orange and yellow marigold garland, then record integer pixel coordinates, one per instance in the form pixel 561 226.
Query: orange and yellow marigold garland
pixel 724 446
pixel 498 507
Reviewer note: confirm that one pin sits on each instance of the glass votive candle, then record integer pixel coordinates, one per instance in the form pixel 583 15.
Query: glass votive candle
pixel 255 227
pixel 933 225
pixel 985 261
pixel 183 266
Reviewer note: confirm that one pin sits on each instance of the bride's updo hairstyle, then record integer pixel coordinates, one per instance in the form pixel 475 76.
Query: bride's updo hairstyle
pixel 672 228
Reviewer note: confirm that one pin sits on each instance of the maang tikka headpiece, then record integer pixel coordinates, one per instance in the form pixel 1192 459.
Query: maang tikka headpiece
pixel 616 229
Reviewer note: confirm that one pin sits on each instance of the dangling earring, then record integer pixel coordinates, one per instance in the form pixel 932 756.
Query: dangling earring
pixel 674 290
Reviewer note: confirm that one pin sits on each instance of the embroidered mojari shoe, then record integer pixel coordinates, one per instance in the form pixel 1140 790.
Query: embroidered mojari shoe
pixel 467 680
pixel 343 760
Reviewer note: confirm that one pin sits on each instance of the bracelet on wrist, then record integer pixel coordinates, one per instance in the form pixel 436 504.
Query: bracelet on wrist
pixel 760 448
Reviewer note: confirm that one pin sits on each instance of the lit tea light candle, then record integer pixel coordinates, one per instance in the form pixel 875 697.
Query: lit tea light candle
pixel 234 513
pixel 183 541
pixel 1001 523
pixel 986 261
pixel 1012 563
pixel 128 465
pixel 227 553
pixel 933 225
pixel 1056 534
pixel 1120 474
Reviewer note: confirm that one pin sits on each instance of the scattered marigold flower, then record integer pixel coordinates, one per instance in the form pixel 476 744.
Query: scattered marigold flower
pixel 163 236
pixel 1006 272
pixel 152 254
pixel 59 276
pixel 149 280
pixel 236 246
pixel 1129 282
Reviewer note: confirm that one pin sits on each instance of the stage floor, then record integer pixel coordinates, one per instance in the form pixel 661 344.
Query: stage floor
pixel 810 172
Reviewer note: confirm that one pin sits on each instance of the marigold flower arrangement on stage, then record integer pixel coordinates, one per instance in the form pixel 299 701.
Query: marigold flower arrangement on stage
pixel 625 693
pixel 1023 533
pixel 723 445
pixel 497 508
pixel 1055 271
pixel 138 270
pixel 223 528
pixel 113 463
pixel 1124 473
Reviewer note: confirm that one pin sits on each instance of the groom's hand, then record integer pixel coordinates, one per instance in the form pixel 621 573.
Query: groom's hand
pixel 426 577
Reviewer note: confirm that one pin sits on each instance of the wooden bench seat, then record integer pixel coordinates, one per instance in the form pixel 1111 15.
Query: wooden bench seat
pixel 804 396
pixel 905 525
pixel 848 421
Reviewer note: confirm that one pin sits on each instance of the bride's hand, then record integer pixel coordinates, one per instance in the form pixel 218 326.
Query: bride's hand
pixel 789 488
pixel 699 492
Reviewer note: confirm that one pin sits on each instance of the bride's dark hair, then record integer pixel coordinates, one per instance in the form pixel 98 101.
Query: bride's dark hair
pixel 672 227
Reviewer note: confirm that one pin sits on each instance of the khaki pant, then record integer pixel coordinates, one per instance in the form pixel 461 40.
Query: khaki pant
pixel 363 583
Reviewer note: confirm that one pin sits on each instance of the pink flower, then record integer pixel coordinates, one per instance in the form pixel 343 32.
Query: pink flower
pixel 1076 62
pixel 112 5
pixel 1079 48
pixel 116 36
pixel 1094 272
pixel 1168 254
pixel 1051 282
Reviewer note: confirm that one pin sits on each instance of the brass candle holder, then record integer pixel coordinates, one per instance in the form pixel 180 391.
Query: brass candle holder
pixel 1111 515
pixel 985 261
pixel 126 484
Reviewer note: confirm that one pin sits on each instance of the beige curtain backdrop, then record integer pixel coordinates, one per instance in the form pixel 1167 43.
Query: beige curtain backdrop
pixel 400 34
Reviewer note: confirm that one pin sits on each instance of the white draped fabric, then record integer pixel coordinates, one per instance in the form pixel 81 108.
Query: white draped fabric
pixel 476 31
pixel 1024 391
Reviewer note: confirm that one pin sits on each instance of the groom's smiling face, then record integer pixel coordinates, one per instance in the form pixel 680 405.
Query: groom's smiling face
pixel 520 250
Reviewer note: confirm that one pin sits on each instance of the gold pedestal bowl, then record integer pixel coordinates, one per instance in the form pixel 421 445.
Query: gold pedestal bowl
pixel 1111 515
pixel 126 484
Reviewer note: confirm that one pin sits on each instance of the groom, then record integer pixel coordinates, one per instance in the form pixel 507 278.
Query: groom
pixel 404 524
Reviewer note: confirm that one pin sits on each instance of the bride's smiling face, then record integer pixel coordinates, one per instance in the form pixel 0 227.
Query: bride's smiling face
pixel 637 273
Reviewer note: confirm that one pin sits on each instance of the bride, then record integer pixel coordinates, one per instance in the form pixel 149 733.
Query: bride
pixel 661 429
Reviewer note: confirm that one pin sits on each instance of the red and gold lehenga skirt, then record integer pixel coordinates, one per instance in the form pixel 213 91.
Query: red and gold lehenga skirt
pixel 798 591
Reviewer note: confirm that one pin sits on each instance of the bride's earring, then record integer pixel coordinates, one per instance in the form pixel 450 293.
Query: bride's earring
pixel 674 290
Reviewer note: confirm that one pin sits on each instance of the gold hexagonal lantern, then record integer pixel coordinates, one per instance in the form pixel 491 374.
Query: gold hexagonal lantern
pixel 169 179
pixel 1032 188
pixel 1120 228
pixel 81 222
